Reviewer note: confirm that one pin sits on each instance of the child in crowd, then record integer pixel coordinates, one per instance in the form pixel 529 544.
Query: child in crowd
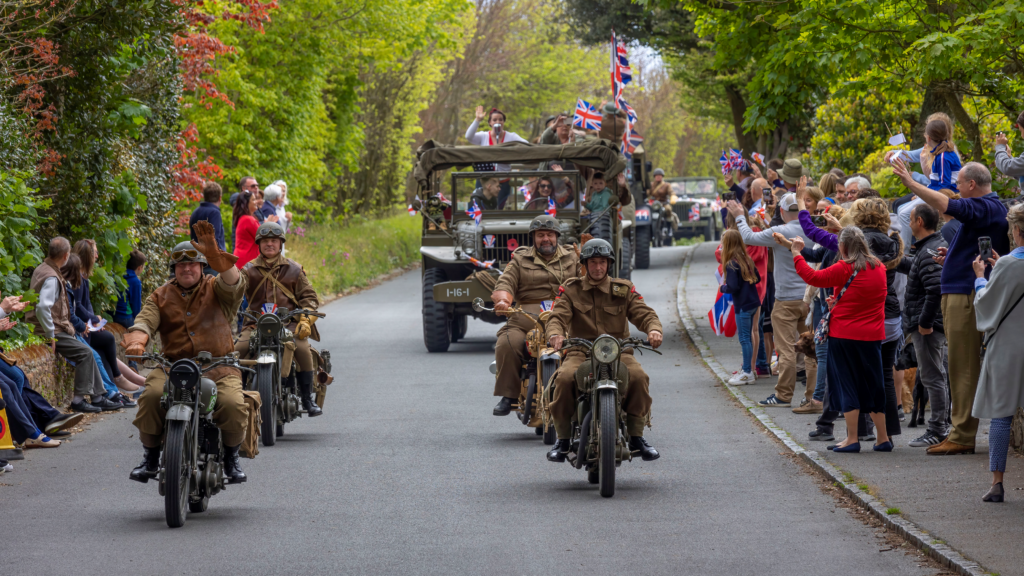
pixel 129 302
pixel 740 280
pixel 600 195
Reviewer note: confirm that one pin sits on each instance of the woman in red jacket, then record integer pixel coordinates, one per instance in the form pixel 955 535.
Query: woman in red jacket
pixel 245 226
pixel 855 334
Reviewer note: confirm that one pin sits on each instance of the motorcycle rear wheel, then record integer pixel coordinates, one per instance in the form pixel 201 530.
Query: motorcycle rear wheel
pixel 607 434
pixel 268 406
pixel 177 472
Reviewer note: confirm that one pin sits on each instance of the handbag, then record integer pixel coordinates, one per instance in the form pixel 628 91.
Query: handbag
pixel 984 343
pixel 821 332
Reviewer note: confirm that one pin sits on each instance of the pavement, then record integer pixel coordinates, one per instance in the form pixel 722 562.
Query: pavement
pixel 940 494
pixel 409 473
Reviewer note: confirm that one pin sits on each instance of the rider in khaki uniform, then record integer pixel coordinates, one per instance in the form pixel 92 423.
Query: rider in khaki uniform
pixel 193 314
pixel 586 308
pixel 531 277
pixel 274 279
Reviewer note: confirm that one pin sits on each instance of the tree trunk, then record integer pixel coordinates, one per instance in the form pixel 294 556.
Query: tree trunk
pixel 738 106
pixel 968 124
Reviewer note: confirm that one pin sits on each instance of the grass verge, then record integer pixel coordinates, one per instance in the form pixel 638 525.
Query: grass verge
pixel 337 256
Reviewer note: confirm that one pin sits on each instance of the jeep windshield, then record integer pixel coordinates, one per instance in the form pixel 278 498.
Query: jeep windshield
pixel 693 187
pixel 526 193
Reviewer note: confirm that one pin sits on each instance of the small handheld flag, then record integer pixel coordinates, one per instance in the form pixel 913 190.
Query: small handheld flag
pixel 723 316
pixel 694 213
pixel 897 139
pixel 475 213
pixel 586 116
pixel 759 158
pixel 551 211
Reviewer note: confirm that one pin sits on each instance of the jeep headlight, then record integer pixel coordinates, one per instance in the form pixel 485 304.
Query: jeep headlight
pixel 467 238
pixel 606 350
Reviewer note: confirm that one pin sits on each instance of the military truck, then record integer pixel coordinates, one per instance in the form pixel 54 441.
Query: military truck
pixel 639 182
pixel 702 192
pixel 475 217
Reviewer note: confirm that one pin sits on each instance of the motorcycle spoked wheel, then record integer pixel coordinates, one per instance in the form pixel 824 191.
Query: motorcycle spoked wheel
pixel 607 435
pixel 268 406
pixel 177 472
pixel 528 402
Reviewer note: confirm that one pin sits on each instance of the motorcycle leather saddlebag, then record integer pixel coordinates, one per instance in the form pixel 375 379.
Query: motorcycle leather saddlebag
pixel 250 446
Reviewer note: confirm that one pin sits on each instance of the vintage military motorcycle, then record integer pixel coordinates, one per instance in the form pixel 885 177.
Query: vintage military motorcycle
pixel 541 364
pixel 192 462
pixel 599 439
pixel 662 224
pixel 280 397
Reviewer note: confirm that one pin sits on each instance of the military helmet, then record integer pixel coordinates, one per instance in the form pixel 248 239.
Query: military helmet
pixel 597 247
pixel 659 172
pixel 269 230
pixel 545 222
pixel 186 252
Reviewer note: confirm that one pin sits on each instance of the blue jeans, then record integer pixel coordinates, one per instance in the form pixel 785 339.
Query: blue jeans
pixel 20 419
pixel 108 382
pixel 820 350
pixel 14 374
pixel 744 328
pixel 762 357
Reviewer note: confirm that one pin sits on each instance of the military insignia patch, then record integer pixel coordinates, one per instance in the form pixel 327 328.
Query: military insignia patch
pixel 508 266
pixel 619 290
pixel 633 291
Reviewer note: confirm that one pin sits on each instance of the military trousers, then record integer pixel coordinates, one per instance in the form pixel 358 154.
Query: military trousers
pixel 510 353
pixel 230 414
pixel 297 349
pixel 636 401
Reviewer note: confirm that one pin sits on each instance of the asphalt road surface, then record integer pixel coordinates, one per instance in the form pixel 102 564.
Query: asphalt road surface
pixel 409 473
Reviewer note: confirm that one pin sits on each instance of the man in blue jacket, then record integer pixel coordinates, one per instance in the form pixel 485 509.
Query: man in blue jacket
pixel 209 210
pixel 980 214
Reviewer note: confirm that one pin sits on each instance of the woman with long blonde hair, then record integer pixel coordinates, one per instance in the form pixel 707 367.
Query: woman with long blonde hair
pixel 741 279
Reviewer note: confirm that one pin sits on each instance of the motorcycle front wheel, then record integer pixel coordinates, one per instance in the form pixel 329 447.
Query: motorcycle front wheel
pixel 607 434
pixel 177 472
pixel 268 406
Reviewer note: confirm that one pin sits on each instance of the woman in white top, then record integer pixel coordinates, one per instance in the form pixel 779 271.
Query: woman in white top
pixel 496 135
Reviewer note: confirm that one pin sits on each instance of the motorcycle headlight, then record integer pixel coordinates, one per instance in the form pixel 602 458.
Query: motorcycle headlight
pixel 185 374
pixel 268 325
pixel 606 350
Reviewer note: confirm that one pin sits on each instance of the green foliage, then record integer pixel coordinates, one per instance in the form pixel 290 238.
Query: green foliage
pixel 20 251
pixel 846 129
pixel 325 77
pixel 337 256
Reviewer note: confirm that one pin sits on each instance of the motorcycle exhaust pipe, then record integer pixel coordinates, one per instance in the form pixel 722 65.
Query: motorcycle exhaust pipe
pixel 324 378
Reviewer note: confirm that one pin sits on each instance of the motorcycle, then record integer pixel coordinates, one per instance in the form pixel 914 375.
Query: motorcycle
pixel 661 224
pixel 599 440
pixel 192 463
pixel 280 399
pixel 541 364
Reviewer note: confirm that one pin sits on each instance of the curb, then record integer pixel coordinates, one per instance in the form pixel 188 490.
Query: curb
pixel 928 544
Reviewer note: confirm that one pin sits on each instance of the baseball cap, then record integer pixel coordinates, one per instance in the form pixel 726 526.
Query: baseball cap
pixel 788 203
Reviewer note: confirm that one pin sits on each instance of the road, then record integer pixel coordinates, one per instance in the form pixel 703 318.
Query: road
pixel 409 473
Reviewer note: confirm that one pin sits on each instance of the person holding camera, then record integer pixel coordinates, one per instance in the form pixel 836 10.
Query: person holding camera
pixel 1006 163
pixel 983 228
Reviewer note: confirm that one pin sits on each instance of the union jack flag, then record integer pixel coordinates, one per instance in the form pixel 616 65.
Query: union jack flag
pixel 726 164
pixel 475 213
pixel 694 213
pixel 525 189
pixel 621 73
pixel 634 140
pixel 586 116
pixel 551 211
pixel 630 113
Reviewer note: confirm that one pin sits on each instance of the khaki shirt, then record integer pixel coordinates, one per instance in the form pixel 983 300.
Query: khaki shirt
pixel 229 297
pixel 587 310
pixel 531 279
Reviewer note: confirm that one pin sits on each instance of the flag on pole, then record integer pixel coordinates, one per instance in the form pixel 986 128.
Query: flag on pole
pixel 722 316
pixel 551 211
pixel 481 264
pixel 412 211
pixel 586 116
pixel 897 139
pixel 475 213
pixel 726 164
pixel 736 158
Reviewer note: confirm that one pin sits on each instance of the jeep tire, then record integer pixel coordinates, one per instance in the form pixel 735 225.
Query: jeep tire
pixel 437 324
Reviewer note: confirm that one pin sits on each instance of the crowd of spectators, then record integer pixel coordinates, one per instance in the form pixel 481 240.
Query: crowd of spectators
pixel 860 289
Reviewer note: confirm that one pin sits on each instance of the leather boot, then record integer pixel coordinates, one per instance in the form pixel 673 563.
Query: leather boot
pixel 232 467
pixel 504 407
pixel 305 380
pixel 149 468
pixel 559 451
pixel 637 444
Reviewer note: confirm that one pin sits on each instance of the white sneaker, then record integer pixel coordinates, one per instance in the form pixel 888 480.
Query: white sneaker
pixel 7 468
pixel 743 378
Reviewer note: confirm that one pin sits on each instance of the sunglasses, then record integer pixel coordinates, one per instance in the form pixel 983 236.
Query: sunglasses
pixel 548 186
pixel 178 255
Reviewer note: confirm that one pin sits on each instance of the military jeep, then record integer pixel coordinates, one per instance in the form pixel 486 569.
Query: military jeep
pixel 475 217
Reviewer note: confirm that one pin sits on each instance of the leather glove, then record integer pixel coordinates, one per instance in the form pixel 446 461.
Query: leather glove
pixel 218 259
pixel 134 343
pixel 305 328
